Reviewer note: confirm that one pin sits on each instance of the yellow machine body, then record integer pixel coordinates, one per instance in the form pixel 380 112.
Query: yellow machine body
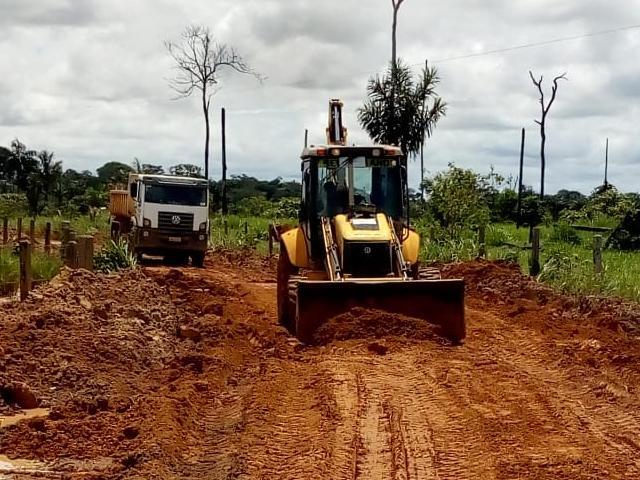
pixel 353 247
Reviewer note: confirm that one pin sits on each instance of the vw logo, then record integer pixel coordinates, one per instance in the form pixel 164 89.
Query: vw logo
pixel 175 219
pixel 367 250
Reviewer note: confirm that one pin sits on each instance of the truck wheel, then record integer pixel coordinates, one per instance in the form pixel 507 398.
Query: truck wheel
pixel 115 230
pixel 197 259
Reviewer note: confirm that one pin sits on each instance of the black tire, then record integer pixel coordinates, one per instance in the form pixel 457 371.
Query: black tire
pixel 115 230
pixel 286 314
pixel 425 273
pixel 197 259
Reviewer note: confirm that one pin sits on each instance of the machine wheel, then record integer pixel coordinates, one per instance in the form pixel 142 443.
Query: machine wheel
pixel 425 273
pixel 197 259
pixel 115 230
pixel 286 305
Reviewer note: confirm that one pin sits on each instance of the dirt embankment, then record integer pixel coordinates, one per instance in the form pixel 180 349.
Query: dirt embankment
pixel 167 373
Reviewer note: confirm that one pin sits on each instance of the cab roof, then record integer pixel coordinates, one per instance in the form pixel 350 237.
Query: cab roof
pixel 313 151
pixel 167 179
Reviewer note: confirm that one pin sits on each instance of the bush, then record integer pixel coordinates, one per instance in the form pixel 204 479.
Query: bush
pixel 114 256
pixel 13 205
pixel 458 199
pixel 564 233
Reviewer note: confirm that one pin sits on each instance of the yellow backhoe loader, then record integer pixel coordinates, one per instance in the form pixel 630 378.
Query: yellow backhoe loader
pixel 354 247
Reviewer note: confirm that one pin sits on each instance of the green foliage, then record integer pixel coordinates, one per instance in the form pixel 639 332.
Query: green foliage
pixel 458 199
pixel 563 233
pixel 43 266
pixel 604 201
pixel 400 110
pixel 114 256
pixel 13 205
pixel 114 173
pixel 186 170
pixel 532 210
pixel 503 205
pixel 260 206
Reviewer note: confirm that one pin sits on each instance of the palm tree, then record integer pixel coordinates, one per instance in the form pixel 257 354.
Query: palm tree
pixel 50 172
pixel 401 111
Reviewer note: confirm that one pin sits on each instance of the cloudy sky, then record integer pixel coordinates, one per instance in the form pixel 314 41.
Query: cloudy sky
pixel 88 80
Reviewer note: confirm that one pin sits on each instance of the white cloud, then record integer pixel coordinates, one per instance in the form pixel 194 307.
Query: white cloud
pixel 88 80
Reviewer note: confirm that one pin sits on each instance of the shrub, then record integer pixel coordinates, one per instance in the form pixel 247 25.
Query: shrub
pixel 114 256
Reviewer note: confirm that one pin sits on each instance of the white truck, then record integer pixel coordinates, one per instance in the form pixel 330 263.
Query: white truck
pixel 163 215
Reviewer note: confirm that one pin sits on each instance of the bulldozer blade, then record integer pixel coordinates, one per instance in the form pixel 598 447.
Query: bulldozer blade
pixel 439 302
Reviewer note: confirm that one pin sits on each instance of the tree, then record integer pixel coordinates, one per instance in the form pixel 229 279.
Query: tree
pixel 199 60
pixel 396 6
pixel 543 117
pixel 146 168
pixel 186 170
pixel 149 169
pixel 459 198
pixel 50 172
pixel 399 110
pixel 113 173
pixel 21 165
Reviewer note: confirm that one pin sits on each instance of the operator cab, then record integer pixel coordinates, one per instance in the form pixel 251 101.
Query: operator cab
pixel 359 182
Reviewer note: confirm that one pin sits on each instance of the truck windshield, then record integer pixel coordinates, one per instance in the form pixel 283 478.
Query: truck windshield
pixel 370 181
pixel 187 195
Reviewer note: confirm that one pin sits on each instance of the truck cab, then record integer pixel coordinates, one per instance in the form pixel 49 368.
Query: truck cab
pixel 168 216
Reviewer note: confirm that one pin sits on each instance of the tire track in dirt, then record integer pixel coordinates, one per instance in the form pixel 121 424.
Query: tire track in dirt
pixel 410 429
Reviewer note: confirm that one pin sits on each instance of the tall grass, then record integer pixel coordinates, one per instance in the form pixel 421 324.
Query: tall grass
pixel 567 260
pixel 243 232
pixel 43 267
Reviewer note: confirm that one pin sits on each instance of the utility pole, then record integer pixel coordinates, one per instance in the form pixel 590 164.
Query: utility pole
pixel 224 165
pixel 606 165
pixel 519 222
pixel 306 137
pixel 424 100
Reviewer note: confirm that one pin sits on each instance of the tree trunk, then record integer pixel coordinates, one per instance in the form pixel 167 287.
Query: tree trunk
pixel 393 36
pixel 205 111
pixel 223 122
pixel 542 159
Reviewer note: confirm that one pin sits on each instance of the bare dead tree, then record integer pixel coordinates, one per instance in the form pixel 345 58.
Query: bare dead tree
pixel 199 60
pixel 396 6
pixel 543 119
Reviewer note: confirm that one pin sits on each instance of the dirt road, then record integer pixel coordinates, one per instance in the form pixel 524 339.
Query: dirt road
pixel 186 374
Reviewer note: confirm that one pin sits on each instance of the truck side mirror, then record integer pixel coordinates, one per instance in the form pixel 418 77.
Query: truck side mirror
pixel 133 191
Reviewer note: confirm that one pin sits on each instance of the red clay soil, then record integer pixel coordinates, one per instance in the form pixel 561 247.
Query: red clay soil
pixel 184 373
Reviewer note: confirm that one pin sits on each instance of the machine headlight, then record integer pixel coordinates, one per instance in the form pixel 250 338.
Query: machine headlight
pixel 146 223
pixel 203 227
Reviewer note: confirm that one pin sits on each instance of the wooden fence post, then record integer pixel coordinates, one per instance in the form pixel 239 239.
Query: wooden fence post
pixel 597 253
pixel 19 229
pixel 32 231
pixel 25 269
pixel 47 238
pixel 65 228
pixel 226 227
pixel 482 251
pixel 270 240
pixel 71 254
pixel 85 252
pixel 534 267
pixel 5 230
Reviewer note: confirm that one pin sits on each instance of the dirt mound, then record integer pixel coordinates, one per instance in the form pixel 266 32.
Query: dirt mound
pixel 503 284
pixel 255 267
pixel 361 323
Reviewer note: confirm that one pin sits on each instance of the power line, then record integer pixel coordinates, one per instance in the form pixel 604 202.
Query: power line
pixel 536 44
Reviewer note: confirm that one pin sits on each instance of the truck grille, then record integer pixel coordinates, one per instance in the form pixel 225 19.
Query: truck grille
pixel 175 222
pixel 367 259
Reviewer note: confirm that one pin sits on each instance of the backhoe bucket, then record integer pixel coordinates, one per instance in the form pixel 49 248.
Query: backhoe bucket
pixel 439 302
